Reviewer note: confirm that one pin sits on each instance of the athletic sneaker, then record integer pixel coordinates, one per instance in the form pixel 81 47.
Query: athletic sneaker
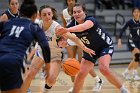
pixel 70 90
pixel 127 76
pixel 28 91
pixel 98 85
pixel 124 91
pixel 47 87
pixel 136 77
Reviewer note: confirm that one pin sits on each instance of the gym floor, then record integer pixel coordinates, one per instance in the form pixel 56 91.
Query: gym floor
pixel 64 83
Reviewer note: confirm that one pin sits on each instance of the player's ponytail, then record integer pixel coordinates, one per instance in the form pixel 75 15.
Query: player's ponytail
pixel 28 8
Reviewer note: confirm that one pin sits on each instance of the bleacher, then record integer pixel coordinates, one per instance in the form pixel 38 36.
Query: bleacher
pixel 105 17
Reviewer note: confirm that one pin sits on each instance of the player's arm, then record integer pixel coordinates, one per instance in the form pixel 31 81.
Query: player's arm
pixel 81 27
pixel 3 17
pixel 120 35
pixel 43 42
pixel 79 43
pixel 123 30
pixel 1 26
pixel 63 20
pixel 78 28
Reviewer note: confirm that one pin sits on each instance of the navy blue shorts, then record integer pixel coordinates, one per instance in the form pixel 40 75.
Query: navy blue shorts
pixel 10 72
pixel 103 52
pixel 133 44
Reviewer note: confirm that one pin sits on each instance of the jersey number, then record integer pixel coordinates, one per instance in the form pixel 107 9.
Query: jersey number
pixel 85 40
pixel 16 30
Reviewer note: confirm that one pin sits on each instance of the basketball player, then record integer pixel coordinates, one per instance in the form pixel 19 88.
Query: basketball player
pixel 12 12
pixel 133 44
pixel 72 48
pixel 96 38
pixel 50 26
pixel 16 37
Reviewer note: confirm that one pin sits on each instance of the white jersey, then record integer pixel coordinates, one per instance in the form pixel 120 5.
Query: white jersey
pixel 51 36
pixel 67 18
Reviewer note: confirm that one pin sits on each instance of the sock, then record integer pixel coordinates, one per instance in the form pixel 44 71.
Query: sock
pixel 123 89
pixel 135 72
pixel 97 78
pixel 126 70
pixel 48 87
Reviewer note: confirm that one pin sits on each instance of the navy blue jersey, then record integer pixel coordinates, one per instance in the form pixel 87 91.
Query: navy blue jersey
pixel 10 15
pixel 134 28
pixel 95 37
pixel 17 35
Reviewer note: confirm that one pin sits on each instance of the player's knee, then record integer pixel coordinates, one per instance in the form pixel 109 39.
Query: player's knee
pixel 137 57
pixel 32 73
pixel 104 69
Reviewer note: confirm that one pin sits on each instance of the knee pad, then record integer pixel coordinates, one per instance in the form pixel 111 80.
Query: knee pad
pixel 137 57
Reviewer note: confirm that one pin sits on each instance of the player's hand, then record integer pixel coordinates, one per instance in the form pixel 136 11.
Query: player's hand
pixel 62 43
pixel 89 51
pixel 119 43
pixel 60 31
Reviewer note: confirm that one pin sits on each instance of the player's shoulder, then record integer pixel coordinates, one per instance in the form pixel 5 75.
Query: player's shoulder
pixel 55 23
pixel 90 18
pixel 130 20
pixel 65 10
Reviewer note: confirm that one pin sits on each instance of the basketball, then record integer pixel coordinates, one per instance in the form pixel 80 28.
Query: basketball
pixel 71 66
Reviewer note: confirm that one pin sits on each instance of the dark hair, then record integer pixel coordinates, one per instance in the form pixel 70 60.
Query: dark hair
pixel 9 1
pixel 135 8
pixel 52 9
pixel 28 8
pixel 82 5
pixel 67 2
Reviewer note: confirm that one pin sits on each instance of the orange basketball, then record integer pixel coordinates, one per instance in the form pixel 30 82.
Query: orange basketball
pixel 71 66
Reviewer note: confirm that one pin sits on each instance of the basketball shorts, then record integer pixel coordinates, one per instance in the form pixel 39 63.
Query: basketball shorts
pixel 10 72
pixel 103 52
pixel 56 54
pixel 133 44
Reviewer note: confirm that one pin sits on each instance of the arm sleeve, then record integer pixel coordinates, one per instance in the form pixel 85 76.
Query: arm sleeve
pixel 123 29
pixel 43 42
pixel 1 26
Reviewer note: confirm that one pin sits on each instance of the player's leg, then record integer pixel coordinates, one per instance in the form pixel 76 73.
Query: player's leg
pixel 104 62
pixel 35 66
pixel 132 67
pixel 136 58
pixel 71 53
pixel 98 80
pixel 85 67
pixel 80 53
pixel 55 67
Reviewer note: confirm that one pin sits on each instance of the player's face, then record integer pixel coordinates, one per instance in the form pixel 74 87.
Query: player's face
pixel 136 14
pixel 70 2
pixel 46 14
pixel 78 14
pixel 14 5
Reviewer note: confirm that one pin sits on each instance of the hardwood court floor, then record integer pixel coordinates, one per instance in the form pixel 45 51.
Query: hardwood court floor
pixel 64 83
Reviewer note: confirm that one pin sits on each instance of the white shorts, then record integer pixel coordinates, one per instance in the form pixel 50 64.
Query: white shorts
pixel 55 54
